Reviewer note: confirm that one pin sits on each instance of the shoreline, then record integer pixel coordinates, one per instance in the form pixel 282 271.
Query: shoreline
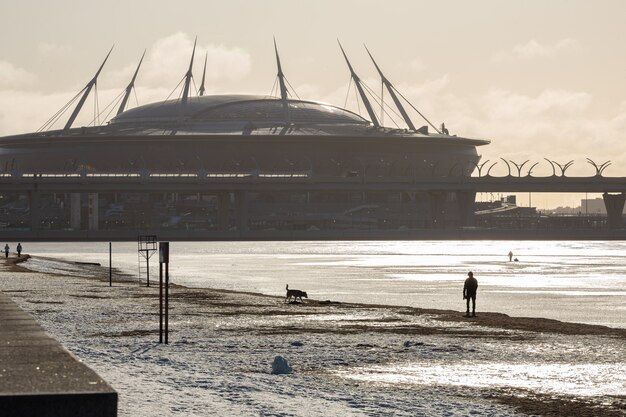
pixel 311 335
pixel 486 319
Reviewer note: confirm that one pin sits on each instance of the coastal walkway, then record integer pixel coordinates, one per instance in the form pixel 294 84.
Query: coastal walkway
pixel 39 377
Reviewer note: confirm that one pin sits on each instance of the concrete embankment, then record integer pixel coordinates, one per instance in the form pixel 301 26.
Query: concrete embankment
pixel 39 377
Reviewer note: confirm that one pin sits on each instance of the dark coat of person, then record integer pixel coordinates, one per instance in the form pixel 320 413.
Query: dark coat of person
pixel 470 287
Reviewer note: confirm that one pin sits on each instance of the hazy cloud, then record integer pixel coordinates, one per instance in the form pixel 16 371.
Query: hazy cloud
pixel 26 111
pixel 54 50
pixel 534 49
pixel 164 66
pixel 428 89
pixel 552 124
pixel 13 77
pixel 168 60
pixel 19 114
pixel 414 65
pixel 507 105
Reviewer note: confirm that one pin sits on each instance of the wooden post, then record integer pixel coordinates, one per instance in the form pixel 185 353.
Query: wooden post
pixel 164 255
pixel 167 313
pixel 110 263
pixel 160 302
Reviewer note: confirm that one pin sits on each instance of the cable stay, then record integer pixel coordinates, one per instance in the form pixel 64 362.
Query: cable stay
pixel 359 87
pixel 418 112
pixel 273 88
pixel 56 116
pixel 96 107
pixel 110 107
pixel 392 92
pixel 379 101
pixel 345 103
pixel 202 89
pixel 393 95
pixel 195 88
pixel 122 98
pixel 85 92
pixel 183 96
pixel 382 104
pixel 130 86
pixel 172 92
pixel 292 89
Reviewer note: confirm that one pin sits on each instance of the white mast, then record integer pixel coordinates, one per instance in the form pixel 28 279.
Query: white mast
pixel 130 86
pixel 392 93
pixel 86 90
pixel 283 88
pixel 189 76
pixel 202 90
pixel 359 87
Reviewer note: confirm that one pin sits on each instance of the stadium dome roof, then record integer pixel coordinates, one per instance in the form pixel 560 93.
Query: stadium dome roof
pixel 237 108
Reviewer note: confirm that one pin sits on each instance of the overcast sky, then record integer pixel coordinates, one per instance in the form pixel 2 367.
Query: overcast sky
pixel 537 78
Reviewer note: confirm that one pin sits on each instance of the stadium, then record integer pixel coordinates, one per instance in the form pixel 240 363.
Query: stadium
pixel 252 139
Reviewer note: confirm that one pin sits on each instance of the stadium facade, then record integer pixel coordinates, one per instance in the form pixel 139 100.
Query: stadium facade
pixel 257 140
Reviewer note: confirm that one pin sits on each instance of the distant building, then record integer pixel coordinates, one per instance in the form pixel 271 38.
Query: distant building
pixel 592 206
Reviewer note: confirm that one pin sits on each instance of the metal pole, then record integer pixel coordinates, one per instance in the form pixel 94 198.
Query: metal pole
pixel 167 313
pixel 110 272
pixel 147 270
pixel 160 302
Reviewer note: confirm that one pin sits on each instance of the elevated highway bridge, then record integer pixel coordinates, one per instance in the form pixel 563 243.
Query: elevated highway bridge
pixel 235 186
pixel 192 182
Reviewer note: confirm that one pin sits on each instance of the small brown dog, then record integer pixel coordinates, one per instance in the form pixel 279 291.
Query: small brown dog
pixel 295 294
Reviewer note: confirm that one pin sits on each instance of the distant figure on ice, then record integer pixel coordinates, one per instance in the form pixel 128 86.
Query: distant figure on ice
pixel 19 250
pixel 469 291
pixel 510 256
pixel 6 250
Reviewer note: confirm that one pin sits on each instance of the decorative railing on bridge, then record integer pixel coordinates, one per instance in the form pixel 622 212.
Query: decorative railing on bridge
pixel 482 170
pixel 256 179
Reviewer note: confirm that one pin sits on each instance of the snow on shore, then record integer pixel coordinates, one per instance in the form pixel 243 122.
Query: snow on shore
pixel 347 359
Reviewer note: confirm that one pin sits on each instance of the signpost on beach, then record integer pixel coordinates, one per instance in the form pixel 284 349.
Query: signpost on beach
pixel 164 258
pixel 146 246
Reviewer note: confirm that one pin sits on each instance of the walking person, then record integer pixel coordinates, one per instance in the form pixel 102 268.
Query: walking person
pixel 19 250
pixel 510 256
pixel 6 250
pixel 469 292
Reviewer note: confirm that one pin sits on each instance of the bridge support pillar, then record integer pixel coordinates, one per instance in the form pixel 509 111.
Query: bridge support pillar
pixel 241 203
pixel 465 204
pixel 92 218
pixel 437 201
pixel 75 211
pixel 614 204
pixel 34 210
pixel 223 210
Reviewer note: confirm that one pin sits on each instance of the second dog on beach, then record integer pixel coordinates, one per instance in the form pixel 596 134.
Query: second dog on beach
pixel 295 294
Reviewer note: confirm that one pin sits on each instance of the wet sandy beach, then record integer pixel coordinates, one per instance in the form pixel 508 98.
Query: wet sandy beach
pixel 347 359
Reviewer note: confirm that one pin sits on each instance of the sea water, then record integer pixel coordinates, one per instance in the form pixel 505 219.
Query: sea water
pixel 576 281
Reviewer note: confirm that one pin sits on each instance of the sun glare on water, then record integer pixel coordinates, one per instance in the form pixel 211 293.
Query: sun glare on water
pixel 567 379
